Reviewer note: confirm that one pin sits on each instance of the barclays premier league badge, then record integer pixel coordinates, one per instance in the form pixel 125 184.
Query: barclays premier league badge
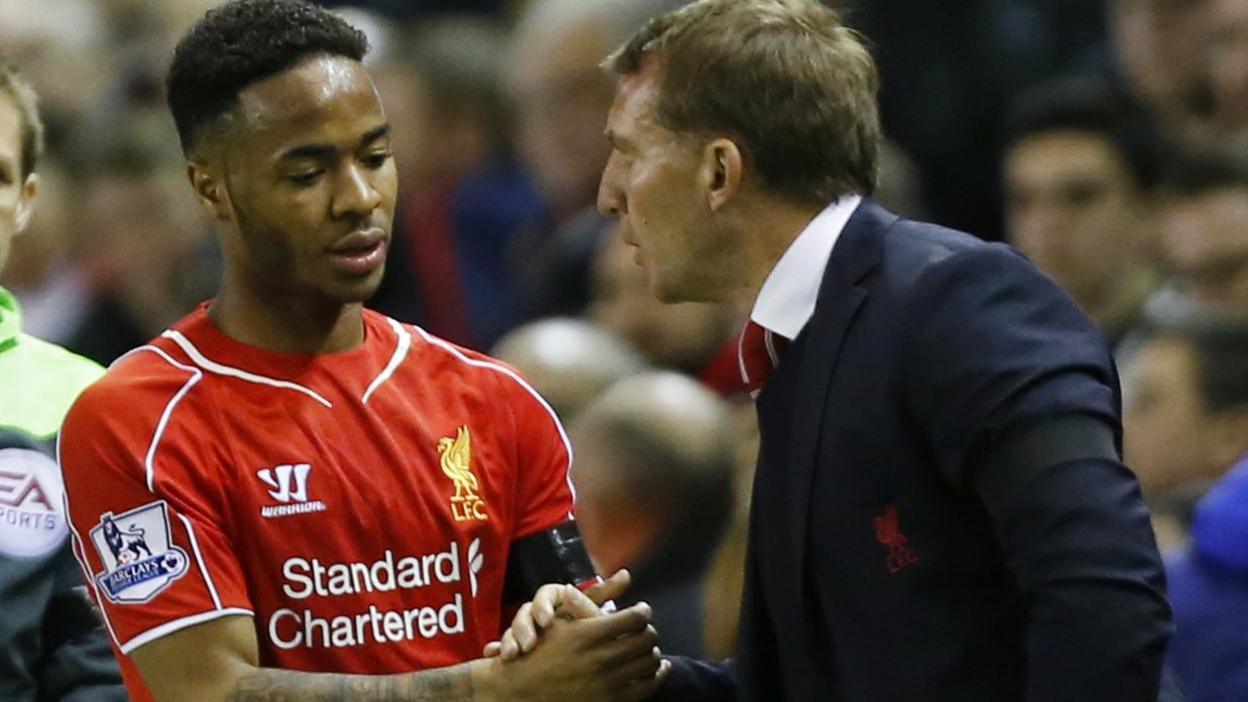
pixel 139 557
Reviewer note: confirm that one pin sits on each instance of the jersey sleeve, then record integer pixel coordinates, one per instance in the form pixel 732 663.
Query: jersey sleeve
pixel 145 508
pixel 545 495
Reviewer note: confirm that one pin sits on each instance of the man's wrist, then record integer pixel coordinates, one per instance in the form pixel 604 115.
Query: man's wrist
pixel 486 677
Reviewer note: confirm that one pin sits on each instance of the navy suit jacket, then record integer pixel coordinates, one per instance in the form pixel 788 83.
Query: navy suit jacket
pixel 885 563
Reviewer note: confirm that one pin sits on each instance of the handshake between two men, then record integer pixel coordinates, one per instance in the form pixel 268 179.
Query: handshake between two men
pixel 587 649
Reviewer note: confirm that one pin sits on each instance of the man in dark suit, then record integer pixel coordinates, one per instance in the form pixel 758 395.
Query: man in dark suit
pixel 940 510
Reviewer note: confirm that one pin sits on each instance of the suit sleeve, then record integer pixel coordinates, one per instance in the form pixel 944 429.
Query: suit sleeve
pixel 698 681
pixel 146 511
pixel 1019 398
pixel 544 496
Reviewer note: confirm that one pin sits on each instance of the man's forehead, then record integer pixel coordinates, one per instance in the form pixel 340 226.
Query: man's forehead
pixel 636 100
pixel 306 92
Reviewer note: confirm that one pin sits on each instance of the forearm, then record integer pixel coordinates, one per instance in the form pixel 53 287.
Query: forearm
pixel 459 683
pixel 1077 538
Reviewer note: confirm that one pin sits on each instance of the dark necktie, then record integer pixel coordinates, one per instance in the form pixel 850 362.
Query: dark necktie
pixel 759 353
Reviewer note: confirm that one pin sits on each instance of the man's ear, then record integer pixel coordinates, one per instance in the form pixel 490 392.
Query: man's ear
pixel 722 172
pixel 26 202
pixel 209 189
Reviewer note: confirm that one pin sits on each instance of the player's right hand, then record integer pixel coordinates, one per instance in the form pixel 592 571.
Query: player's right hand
pixel 611 656
pixel 550 602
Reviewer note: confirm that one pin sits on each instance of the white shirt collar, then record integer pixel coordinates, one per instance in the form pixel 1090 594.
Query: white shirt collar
pixel 787 300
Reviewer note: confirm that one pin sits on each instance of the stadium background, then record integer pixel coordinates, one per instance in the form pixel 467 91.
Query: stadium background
pixel 1106 139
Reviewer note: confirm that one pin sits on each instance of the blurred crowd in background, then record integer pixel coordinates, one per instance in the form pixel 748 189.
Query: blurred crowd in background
pixel 1106 140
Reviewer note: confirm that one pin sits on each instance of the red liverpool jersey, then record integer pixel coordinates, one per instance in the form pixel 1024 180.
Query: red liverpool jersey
pixel 359 505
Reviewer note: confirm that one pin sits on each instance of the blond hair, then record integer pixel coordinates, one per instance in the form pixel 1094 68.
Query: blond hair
pixel 785 79
pixel 15 87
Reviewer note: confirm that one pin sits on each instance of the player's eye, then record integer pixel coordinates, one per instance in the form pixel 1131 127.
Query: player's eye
pixel 377 160
pixel 305 178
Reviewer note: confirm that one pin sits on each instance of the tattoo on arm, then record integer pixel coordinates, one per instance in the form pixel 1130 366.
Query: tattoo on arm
pixel 272 685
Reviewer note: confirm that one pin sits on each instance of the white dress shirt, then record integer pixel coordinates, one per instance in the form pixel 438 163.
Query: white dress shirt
pixel 787 300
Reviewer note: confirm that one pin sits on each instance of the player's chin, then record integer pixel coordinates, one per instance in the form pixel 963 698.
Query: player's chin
pixel 354 289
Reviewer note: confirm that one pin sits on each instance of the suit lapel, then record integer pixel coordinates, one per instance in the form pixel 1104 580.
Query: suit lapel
pixel 857 252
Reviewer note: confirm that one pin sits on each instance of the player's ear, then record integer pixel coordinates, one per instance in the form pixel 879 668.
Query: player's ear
pixel 26 202
pixel 721 172
pixel 209 189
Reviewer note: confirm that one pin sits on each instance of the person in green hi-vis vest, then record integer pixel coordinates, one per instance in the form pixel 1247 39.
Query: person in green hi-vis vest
pixel 52 646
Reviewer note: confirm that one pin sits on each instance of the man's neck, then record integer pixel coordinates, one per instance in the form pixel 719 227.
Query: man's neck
pixel 287 323
pixel 772 228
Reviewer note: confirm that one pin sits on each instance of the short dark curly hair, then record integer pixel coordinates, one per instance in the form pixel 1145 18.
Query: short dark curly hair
pixel 242 42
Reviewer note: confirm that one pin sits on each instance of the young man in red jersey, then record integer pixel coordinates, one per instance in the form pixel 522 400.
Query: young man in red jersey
pixel 285 495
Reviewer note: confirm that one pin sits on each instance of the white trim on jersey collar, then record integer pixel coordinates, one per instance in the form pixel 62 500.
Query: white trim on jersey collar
pixel 401 347
pixel 149 462
pixel 213 367
pixel 787 300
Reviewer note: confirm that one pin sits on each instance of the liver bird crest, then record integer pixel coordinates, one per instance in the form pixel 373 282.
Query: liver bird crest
pixel 457 464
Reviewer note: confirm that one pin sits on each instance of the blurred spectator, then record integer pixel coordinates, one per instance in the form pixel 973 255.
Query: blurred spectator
pixel 725 577
pixel 1185 415
pixel 416 8
pixel 147 251
pixel 694 338
pixel 1208 587
pixel 900 184
pixel 42 272
pixel 561 98
pixel 653 474
pixel 1081 170
pixel 63 49
pixel 52 646
pixel 569 361
pixel 1228 65
pixel 948 70
pixel 463 198
pixel 1162 51
pixel 1205 230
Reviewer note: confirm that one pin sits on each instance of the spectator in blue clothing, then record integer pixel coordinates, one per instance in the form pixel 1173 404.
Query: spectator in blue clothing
pixel 1185 414
pixel 463 198
pixel 561 99
pixel 1209 592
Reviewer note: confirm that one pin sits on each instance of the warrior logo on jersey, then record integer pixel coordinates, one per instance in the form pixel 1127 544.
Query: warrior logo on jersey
pixel 139 558
pixel 457 465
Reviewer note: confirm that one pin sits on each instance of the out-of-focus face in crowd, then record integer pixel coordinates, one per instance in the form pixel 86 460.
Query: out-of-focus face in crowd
pixel 1185 408
pixel 1073 206
pixel 1228 62
pixel 1206 235
pixel 1164 415
pixel 1162 47
pixel 560 97
pixel 17 191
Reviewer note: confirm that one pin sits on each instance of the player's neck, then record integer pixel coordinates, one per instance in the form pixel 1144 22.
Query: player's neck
pixel 287 323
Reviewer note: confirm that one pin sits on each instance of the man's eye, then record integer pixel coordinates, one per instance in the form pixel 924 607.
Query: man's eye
pixel 377 160
pixel 305 179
